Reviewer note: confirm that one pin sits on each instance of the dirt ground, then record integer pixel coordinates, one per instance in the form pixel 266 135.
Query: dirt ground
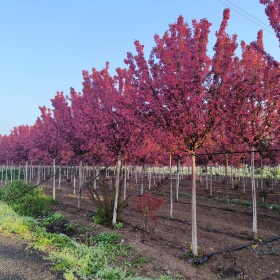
pixel 164 248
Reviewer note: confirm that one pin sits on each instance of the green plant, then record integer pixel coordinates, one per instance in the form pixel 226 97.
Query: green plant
pixel 137 262
pixel 241 202
pixel 52 219
pixel 209 227
pixel 103 199
pixel 118 226
pixel 13 223
pixel 26 200
pixel 43 239
pixel 108 238
pixel 229 209
pixel 72 226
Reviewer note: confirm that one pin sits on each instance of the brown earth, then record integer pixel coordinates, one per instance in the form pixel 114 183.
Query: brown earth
pixel 164 248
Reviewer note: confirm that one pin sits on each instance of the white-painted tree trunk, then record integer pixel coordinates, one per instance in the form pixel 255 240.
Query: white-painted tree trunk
pixel 53 177
pixel 194 225
pixel 117 186
pixel 261 173
pixel 124 183
pixel 74 181
pixel 171 188
pixel 254 197
pixel 142 178
pixel 211 181
pixel 80 183
pixel 59 177
pixel 178 179
pixel 26 171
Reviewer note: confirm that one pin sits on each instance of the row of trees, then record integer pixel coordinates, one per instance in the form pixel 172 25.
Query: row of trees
pixel 179 101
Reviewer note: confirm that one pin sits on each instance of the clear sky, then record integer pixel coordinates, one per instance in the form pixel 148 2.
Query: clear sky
pixel 45 45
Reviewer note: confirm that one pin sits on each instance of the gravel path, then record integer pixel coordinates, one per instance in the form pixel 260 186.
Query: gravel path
pixel 17 263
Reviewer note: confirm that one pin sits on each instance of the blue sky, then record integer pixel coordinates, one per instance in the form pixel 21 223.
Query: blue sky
pixel 46 44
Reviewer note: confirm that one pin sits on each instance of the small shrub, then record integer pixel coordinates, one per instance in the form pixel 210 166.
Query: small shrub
pixel 52 219
pixel 108 238
pixel 104 199
pixel 147 205
pixel 26 200
pixel 209 227
pixel 43 239
pixel 118 226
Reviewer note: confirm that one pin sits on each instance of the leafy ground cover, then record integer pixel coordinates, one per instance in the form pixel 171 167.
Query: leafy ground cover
pixel 163 250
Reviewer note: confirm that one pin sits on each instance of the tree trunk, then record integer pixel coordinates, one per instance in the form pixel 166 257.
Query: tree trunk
pixel 74 180
pixel 53 178
pixel 26 171
pixel 117 186
pixel 261 173
pixel 211 181
pixel 226 179
pixel 171 188
pixel 178 179
pixel 142 178
pixel 194 226
pixel 150 177
pixel 80 183
pixel 124 183
pixel 254 197
pixel 59 177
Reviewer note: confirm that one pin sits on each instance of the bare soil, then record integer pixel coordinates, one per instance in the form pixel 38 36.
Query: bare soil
pixel 164 248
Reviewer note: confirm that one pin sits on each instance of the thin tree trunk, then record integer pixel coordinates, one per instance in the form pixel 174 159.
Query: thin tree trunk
pixel 178 179
pixel 226 178
pixel 150 177
pixel 53 177
pixel 117 186
pixel 124 183
pixel 261 173
pixel 194 226
pixel 171 188
pixel 80 183
pixel 26 171
pixel 243 174
pixel 59 177
pixel 254 197
pixel 74 180
pixel 211 181
pixel 142 178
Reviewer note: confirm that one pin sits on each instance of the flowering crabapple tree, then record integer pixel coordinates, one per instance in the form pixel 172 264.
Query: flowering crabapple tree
pixel 102 93
pixel 171 90
pixel 253 105
pixel 272 11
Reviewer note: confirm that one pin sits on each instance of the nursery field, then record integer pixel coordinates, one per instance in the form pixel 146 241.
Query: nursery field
pixel 226 249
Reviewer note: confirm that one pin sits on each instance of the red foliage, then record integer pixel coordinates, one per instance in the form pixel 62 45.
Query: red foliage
pixel 147 204
pixel 272 11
